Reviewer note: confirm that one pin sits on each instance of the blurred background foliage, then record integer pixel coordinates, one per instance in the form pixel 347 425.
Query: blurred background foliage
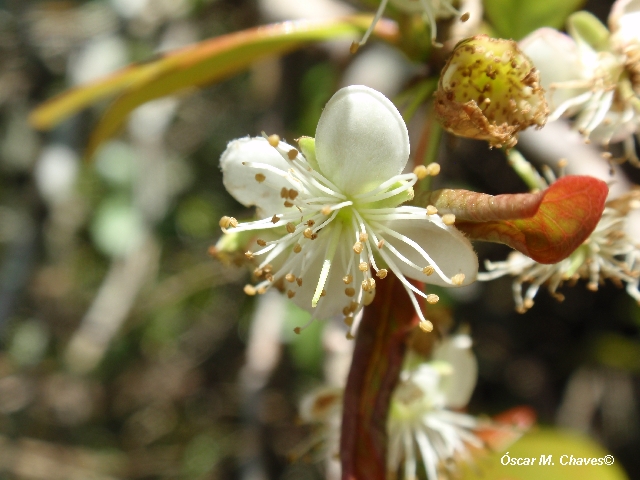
pixel 127 352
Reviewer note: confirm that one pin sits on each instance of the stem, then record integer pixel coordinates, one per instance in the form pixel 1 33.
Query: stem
pixel 375 368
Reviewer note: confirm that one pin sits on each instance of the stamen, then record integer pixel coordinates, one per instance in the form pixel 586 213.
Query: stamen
pixel 449 219
pixel 249 290
pixel 326 266
pixel 349 291
pixel 428 270
pixel 432 298
pixel 299 281
pixel 260 177
pixel 363 237
pixel 290 277
pixel 226 222
pixel 347 279
pixel 293 153
pixel 433 168
pixel 297 248
pixel 274 140
pixel 356 45
pixel 358 247
pixel 308 233
pixel 261 242
pixel 248 254
pixel 426 326
pixel 458 279
pixel 382 273
pixel 431 210
pixel 291 227
pixel 363 267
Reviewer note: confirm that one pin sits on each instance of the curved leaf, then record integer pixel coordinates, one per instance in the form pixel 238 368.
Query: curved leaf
pixel 194 66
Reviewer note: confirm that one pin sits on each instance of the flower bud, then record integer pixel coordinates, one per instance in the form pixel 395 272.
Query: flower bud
pixel 489 90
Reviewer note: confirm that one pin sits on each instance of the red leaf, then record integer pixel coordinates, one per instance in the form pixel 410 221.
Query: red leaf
pixel 375 368
pixel 547 226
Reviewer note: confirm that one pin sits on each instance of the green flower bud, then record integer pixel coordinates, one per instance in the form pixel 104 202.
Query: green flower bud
pixel 489 90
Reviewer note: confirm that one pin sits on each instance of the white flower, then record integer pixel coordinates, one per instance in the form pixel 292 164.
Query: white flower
pixel 609 253
pixel 334 212
pixel 421 425
pixel 593 74
pixel 430 10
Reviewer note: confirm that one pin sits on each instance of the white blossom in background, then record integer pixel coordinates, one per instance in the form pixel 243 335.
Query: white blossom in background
pixel 422 427
pixel 331 223
pixel 431 10
pixel 609 253
pixel 593 74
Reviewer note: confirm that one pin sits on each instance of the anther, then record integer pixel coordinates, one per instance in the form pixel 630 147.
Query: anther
pixel 248 254
pixel 357 247
pixel 428 270
pixel 432 298
pixel 421 172
pixel 293 193
pixel 326 210
pixel 350 336
pixel 299 281
pixel 348 320
pixel 290 277
pixel 268 268
pixel 382 273
pixel 274 140
pixel 346 311
pixel 363 267
pixel 308 233
pixel 293 153
pixel 288 204
pixel 353 306
pixel 226 222
pixel 363 236
pixel 464 17
pixel 310 223
pixel 433 169
pixel 275 219
pixel 261 242
pixel 368 284
pixel 258 272
pixel 347 279
pixel 291 294
pixel 260 177
pixel 297 248
pixel 269 277
pixel 323 293
pixel 354 48
pixel 284 193
pixel 458 279
pixel 291 227
pixel 262 290
pixel 297 330
pixel 449 219
pixel 380 244
pixel 250 290
pixel 431 210
pixel 349 292
pixel 426 326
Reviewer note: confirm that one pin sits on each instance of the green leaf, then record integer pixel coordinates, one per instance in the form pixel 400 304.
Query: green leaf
pixel 197 65
pixel 554 442
pixel 517 18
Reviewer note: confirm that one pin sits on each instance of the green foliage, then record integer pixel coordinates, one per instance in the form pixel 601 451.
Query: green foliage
pixel 517 18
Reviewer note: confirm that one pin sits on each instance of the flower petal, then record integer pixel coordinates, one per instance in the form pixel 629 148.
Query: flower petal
pixel 361 140
pixel 458 387
pixel 624 22
pixel 240 180
pixel 446 246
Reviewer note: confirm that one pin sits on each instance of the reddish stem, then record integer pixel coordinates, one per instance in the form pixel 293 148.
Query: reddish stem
pixel 375 368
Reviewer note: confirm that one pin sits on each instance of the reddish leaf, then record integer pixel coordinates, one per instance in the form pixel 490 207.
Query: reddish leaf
pixel 375 368
pixel 547 226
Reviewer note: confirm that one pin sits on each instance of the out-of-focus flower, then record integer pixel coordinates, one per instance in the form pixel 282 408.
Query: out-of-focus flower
pixel 422 425
pixel 489 90
pixel 593 74
pixel 331 218
pixel 431 10
pixel 609 253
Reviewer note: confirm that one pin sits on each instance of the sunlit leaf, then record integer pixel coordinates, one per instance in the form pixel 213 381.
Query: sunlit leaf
pixel 517 18
pixel 200 64
pixel 547 226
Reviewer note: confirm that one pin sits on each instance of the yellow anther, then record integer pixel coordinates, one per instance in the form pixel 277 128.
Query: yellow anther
pixel 262 290
pixel 291 294
pixel 348 320
pixel 275 219
pixel 310 223
pixel 368 284
pixel 297 248
pixel 421 172
pixel 284 193
pixel 274 140
pixel 449 219
pixel 380 244
pixel 258 272
pixel 355 46
pixel 288 204
pixel 428 270
pixel 308 233
pixel 350 336
pixel 290 277
pixel 382 273
pixel 248 254
pixel 260 177
pixel 293 153
pixel 226 222
pixel 291 227
pixel 353 306
pixel 431 210
pixel 268 268
pixel 349 292
pixel 299 281
pixel 346 311
pixel 293 193
pixel 297 330
pixel 363 237
pixel 250 290
pixel 458 279
pixel 261 242
pixel 563 162
pixel 326 210
pixel 358 247
pixel 363 266
pixel 464 17
pixel 426 326
pixel 433 169
pixel 432 298
pixel 269 277
pixel 347 279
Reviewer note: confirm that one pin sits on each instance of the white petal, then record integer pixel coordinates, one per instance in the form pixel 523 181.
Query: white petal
pixel 458 387
pixel 555 55
pixel 446 246
pixel 361 140
pixel 614 128
pixel 240 181
pixel 624 22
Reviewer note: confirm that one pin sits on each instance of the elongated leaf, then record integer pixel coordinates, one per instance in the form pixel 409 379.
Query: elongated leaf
pixel 194 66
pixel 517 18
pixel 547 226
